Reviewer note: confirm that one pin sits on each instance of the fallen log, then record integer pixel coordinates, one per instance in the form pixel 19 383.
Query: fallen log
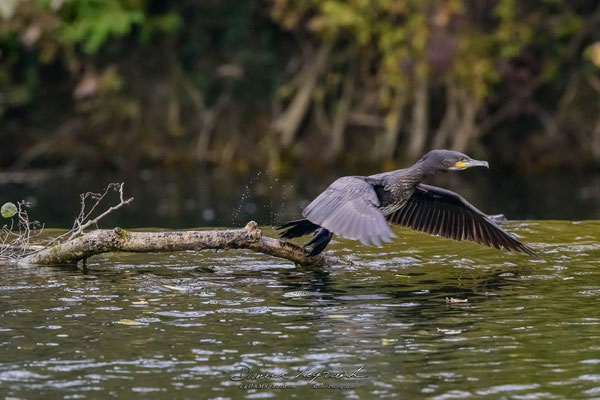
pixel 119 240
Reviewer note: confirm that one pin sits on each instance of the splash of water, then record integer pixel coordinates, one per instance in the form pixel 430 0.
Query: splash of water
pixel 265 192
pixel 246 194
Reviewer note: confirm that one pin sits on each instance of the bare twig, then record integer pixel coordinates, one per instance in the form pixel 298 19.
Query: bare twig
pixel 83 221
pixel 5 245
pixel 15 240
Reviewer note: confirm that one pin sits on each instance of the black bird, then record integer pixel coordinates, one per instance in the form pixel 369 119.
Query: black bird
pixel 360 208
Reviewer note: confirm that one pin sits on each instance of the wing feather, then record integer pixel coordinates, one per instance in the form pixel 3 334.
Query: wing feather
pixel 442 212
pixel 349 208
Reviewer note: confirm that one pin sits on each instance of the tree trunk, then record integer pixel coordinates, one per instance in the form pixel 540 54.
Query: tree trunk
pixel 467 130
pixel 595 144
pixel 288 123
pixel 393 125
pixel 341 117
pixel 451 119
pixel 420 116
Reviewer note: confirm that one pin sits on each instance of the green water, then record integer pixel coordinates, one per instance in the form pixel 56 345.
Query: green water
pixel 184 325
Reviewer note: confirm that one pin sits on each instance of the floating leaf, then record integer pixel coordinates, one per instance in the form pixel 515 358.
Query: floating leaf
pixel 130 322
pixel 336 316
pixel 178 288
pixel 8 210
pixel 453 300
pixel 386 341
pixel 140 302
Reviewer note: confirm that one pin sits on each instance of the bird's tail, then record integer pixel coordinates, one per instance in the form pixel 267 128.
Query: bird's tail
pixel 297 228
pixel 303 227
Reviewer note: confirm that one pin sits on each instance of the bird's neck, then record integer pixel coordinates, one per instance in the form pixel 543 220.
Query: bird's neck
pixel 410 176
pixel 419 173
pixel 422 170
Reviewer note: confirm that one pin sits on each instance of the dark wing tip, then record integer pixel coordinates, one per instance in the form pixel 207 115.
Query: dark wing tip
pixel 499 238
pixel 441 212
pixel 508 241
pixel 523 248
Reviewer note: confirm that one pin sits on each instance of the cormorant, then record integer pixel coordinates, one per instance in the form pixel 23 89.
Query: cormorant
pixel 360 208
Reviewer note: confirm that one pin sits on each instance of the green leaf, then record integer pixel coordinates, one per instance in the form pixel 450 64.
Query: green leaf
pixel 8 210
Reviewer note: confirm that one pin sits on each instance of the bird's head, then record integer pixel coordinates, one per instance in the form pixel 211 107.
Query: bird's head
pixel 448 160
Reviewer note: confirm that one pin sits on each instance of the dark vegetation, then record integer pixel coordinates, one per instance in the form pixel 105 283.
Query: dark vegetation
pixel 246 83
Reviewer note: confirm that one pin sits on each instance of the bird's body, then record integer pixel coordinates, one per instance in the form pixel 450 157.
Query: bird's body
pixel 360 208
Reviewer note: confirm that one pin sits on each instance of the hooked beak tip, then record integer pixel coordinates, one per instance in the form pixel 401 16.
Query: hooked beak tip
pixel 477 163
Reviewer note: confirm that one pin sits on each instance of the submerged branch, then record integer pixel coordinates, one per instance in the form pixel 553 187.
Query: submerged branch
pixel 119 240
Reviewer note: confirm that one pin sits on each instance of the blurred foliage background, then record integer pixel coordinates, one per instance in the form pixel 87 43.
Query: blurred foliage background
pixel 125 84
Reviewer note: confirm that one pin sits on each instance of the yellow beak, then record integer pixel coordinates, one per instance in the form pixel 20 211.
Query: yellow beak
pixel 469 164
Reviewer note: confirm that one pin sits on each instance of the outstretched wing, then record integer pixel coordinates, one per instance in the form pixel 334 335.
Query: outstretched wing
pixel 442 212
pixel 348 207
